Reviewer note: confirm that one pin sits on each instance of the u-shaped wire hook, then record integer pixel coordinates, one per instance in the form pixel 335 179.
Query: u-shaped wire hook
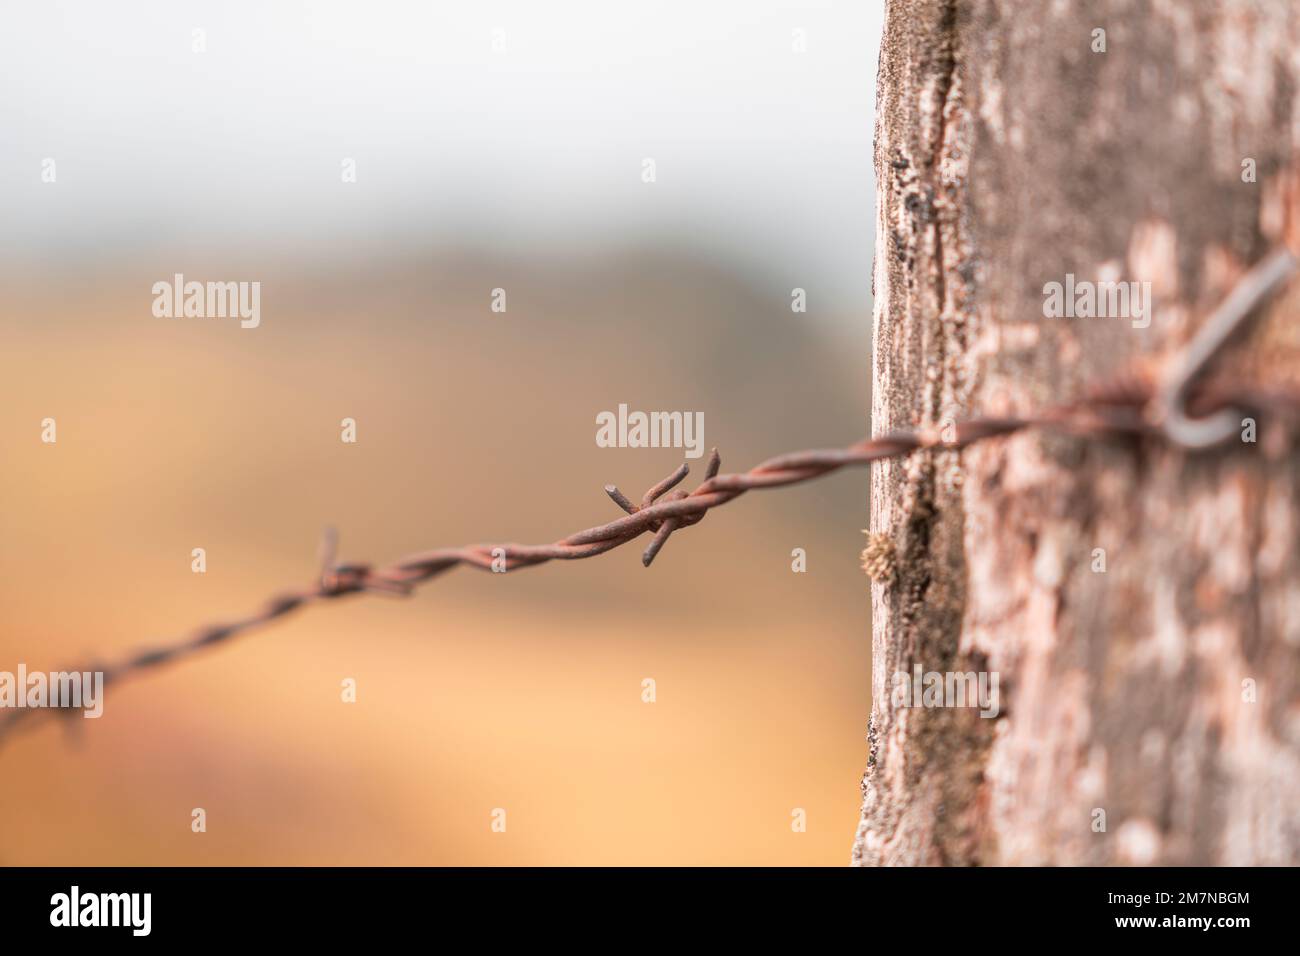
pixel 1228 319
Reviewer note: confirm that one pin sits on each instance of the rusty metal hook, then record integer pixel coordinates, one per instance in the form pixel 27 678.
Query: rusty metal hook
pixel 1228 319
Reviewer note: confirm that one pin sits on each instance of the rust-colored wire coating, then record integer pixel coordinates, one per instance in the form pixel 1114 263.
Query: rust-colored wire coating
pixel 1119 410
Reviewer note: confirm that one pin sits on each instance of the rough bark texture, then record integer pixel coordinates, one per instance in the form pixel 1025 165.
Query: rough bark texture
pixel 1008 154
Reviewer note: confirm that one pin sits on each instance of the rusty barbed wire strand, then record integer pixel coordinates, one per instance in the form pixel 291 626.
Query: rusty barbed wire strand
pixel 1129 406
pixel 1114 411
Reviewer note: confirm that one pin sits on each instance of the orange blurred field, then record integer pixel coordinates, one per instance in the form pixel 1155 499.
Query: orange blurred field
pixel 518 691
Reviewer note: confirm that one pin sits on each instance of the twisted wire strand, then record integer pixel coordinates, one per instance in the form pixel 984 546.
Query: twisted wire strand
pixel 1116 410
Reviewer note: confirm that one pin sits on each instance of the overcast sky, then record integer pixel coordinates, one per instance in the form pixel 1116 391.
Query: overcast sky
pixel 762 153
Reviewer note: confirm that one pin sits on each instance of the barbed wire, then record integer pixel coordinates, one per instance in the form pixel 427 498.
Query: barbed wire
pixel 1113 411
pixel 1133 406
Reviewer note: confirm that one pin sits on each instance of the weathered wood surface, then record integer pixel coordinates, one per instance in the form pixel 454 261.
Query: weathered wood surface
pixel 1008 154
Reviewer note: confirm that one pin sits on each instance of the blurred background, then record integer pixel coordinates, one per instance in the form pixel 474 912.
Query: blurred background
pixel 496 145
